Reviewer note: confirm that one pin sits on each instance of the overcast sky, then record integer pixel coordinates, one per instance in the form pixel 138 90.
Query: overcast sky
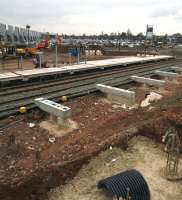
pixel 94 16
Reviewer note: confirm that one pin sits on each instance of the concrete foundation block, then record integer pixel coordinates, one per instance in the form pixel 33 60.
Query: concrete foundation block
pixel 117 95
pixel 177 69
pixel 60 122
pixel 166 74
pixel 169 76
pixel 148 81
pixel 121 100
pixel 53 108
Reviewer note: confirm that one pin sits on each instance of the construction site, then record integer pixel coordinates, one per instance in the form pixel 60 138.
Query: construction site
pixel 88 121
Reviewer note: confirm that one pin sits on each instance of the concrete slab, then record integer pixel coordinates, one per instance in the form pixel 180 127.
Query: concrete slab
pixel 54 109
pixel 59 122
pixel 166 74
pixel 117 95
pixel 115 91
pixel 38 72
pixel 177 69
pixel 148 81
pixel 8 76
pixel 25 74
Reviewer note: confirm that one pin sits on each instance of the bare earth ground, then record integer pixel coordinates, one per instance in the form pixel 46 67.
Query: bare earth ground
pixel 49 57
pixel 22 176
pixel 143 154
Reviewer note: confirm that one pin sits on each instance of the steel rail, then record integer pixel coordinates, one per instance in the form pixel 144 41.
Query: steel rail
pixel 73 78
pixel 77 89
pixel 28 92
pixel 65 75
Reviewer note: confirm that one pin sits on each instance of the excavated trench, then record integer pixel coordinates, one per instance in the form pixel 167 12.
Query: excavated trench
pixel 37 186
pixel 45 176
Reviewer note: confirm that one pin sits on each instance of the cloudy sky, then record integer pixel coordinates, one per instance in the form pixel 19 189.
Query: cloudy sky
pixel 94 16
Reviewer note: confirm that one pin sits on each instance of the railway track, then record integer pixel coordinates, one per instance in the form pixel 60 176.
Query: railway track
pixel 34 85
pixel 74 85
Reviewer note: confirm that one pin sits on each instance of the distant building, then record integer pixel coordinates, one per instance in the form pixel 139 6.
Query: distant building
pixel 18 35
pixel 176 38
pixel 149 32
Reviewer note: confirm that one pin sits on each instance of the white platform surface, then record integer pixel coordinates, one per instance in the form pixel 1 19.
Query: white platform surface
pixel 8 76
pixel 78 67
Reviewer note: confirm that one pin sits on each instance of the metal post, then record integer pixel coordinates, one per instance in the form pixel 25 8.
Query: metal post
pixel 28 36
pixel 70 58
pixel 28 29
pixel 78 57
pixel 3 64
pixel 56 54
pixel 18 62
pixel 85 58
pixel 85 55
pixel 21 62
pixel 40 61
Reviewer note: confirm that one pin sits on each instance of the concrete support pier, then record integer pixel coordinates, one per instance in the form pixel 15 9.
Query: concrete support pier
pixel 149 81
pixel 117 95
pixel 60 121
pixel 169 76
pixel 177 69
pixel 166 74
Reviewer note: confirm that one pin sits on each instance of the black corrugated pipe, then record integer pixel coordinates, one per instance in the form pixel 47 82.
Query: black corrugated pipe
pixel 127 185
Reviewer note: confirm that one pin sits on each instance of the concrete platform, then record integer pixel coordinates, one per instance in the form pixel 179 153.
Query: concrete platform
pixel 8 76
pixel 26 74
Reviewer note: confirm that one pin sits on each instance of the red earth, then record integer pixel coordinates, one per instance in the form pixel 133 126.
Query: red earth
pixel 32 165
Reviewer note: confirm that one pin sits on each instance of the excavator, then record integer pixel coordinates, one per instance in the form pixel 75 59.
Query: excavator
pixel 44 43
pixel 7 51
pixel 32 50
pixel 27 51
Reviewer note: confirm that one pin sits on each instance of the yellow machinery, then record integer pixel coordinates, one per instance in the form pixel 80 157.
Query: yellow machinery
pixel 20 51
pixel 27 51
